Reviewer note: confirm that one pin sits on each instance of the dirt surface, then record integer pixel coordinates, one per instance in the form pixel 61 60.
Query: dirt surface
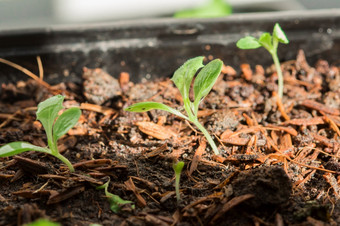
pixel 279 163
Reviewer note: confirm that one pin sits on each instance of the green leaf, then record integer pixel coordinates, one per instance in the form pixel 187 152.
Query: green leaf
pixel 48 111
pixel 205 80
pixel 115 201
pixel 147 106
pixel 65 122
pixel 248 42
pixel 42 222
pixel 215 8
pixel 18 147
pixel 178 167
pixel 279 34
pixel 266 41
pixel 184 75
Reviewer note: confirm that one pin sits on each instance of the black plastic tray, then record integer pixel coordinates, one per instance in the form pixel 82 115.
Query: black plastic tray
pixel 154 48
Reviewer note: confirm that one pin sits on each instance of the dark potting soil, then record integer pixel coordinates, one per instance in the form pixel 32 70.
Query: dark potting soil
pixel 279 163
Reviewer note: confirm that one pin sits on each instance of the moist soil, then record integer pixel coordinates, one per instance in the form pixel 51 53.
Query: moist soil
pixel 279 162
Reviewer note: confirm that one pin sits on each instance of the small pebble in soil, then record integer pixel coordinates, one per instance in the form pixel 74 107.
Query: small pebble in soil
pixel 220 121
pixel 99 86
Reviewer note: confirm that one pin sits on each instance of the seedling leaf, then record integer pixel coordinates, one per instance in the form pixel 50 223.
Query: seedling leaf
pixel 279 34
pixel 115 201
pixel 248 42
pixel 147 106
pixel 65 122
pixel 266 41
pixel 183 75
pixel 42 222
pixel 48 111
pixel 178 167
pixel 206 79
pixel 18 147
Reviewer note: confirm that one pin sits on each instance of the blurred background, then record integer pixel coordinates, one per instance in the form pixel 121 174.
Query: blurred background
pixel 18 14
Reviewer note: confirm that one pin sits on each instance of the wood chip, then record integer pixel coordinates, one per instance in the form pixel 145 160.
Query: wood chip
pixel 236 141
pixel 289 130
pixel 131 186
pixel 281 107
pixel 65 195
pixel 157 151
pixel 156 131
pixel 97 108
pixel 247 73
pixel 226 69
pixel 155 220
pixel 325 141
pixel 333 183
pixel 29 194
pixel 320 107
pixel 93 163
pixel 197 157
pixel 305 121
pixel 31 166
pixel 332 124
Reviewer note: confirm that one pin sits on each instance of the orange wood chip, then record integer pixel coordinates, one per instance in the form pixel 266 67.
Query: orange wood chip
pixel 334 184
pixel 320 107
pixel 305 122
pixel 289 130
pixel 226 69
pixel 247 73
pixel 155 130
pixel 124 79
pixel 197 157
pixel 236 141
pixel 97 108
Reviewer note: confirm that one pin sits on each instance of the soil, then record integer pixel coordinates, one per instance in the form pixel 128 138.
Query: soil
pixel 279 162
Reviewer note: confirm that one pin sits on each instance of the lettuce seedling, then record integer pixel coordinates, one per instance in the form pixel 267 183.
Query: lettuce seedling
pixel 115 201
pixel 270 43
pixel 55 127
pixel 178 169
pixel 182 78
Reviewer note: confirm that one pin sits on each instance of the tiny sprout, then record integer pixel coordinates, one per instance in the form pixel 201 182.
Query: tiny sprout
pixel 55 127
pixel 270 43
pixel 178 169
pixel 115 201
pixel 182 78
pixel 42 222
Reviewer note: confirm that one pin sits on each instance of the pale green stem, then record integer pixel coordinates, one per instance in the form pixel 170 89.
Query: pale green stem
pixel 207 136
pixel 66 161
pixel 194 120
pixel 279 74
pixel 177 181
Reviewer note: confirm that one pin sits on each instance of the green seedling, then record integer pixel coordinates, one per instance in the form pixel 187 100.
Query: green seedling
pixel 182 78
pixel 178 169
pixel 214 8
pixel 270 43
pixel 42 222
pixel 55 127
pixel 115 201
